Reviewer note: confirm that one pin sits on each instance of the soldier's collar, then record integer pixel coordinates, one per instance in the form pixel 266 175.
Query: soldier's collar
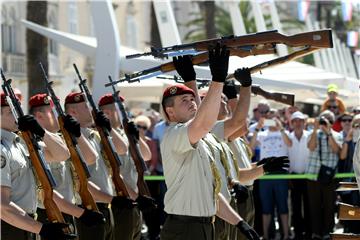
pixel 9 136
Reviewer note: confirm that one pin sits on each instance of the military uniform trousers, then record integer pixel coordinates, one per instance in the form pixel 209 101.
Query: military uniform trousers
pixel 247 211
pixel 222 229
pixel 180 227
pixel 9 232
pixel 127 223
pixel 42 217
pixel 98 232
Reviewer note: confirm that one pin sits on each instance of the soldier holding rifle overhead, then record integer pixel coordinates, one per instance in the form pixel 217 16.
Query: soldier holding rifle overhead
pixel 18 184
pixel 193 197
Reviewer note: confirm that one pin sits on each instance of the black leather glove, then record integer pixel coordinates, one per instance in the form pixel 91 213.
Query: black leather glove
pixel 123 202
pixel 241 192
pixel 91 218
pixel 146 203
pixel 72 126
pixel 276 165
pixel 29 123
pixel 185 68
pixel 247 230
pixel 54 231
pixel 133 130
pixel 243 75
pixel 219 63
pixel 229 89
pixel 102 121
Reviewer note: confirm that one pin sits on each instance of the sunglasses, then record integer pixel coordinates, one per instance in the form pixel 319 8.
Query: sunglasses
pixel 332 107
pixel 346 120
pixel 357 125
pixel 141 127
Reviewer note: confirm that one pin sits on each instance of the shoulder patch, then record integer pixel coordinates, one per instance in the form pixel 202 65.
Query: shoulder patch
pixel 3 161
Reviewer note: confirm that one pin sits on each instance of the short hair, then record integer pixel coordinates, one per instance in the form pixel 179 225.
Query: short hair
pixel 144 119
pixel 167 102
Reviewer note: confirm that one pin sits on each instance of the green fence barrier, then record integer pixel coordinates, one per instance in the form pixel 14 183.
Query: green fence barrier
pixel 272 176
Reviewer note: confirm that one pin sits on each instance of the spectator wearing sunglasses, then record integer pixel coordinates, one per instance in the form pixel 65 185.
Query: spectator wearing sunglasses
pixel 356 110
pixel 351 133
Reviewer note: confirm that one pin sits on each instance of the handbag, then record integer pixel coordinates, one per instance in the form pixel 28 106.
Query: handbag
pixel 326 174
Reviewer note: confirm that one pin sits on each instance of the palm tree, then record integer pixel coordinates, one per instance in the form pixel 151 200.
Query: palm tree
pixel 36 47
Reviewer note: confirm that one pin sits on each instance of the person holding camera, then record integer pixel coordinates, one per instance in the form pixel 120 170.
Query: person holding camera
pixel 324 145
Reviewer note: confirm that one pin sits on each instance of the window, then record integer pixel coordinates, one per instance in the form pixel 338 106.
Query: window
pixel 131 29
pixel 72 16
pixel 53 46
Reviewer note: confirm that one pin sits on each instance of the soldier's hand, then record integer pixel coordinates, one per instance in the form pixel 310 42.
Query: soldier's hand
pixel 229 89
pixel 133 130
pixel 123 202
pixel 72 126
pixel 243 75
pixel 219 63
pixel 247 230
pixel 184 67
pixel 241 192
pixel 277 165
pixel 91 218
pixel 102 121
pixel 54 231
pixel 29 123
pixel 146 203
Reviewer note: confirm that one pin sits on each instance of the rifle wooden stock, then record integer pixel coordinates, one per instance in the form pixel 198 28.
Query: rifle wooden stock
pixel 316 39
pixel 348 212
pixel 347 186
pixel 134 148
pixel 113 158
pixel 43 173
pixel 52 210
pixel 345 236
pixel 77 160
pixel 285 98
pixel 106 142
pixel 280 60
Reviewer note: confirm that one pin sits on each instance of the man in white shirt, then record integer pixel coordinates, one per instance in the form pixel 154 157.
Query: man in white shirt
pixel 299 159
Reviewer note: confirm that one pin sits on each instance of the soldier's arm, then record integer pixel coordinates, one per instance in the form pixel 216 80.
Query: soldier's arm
pixel 14 215
pixel 89 153
pixel 55 149
pixel 242 131
pixel 67 207
pixel 226 212
pixel 120 145
pixel 238 119
pixel 207 113
pixel 145 150
pixel 248 174
pixel 101 196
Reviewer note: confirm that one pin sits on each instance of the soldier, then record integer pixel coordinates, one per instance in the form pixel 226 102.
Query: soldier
pixel 40 106
pixel 76 106
pixel 127 220
pixel 193 197
pixel 18 186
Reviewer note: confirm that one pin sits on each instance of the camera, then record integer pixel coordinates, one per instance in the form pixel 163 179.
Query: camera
pixel 323 121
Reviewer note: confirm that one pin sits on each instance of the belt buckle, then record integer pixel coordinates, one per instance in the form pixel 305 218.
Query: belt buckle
pixel 212 219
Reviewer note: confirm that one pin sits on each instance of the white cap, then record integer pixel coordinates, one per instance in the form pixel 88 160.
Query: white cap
pixel 298 115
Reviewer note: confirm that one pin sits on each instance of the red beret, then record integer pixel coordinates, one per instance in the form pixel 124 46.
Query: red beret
pixel 41 99
pixel 177 89
pixel 75 97
pixel 4 101
pixel 108 99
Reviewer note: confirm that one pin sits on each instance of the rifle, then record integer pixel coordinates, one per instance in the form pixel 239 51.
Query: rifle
pixel 285 98
pixel 42 169
pixel 133 145
pixel 345 236
pixel 347 186
pixel 106 141
pixel 72 144
pixel 317 39
pixel 196 60
pixel 348 212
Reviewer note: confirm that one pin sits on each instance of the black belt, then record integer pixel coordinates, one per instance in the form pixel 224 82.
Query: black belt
pixel 191 219
pixel 103 206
